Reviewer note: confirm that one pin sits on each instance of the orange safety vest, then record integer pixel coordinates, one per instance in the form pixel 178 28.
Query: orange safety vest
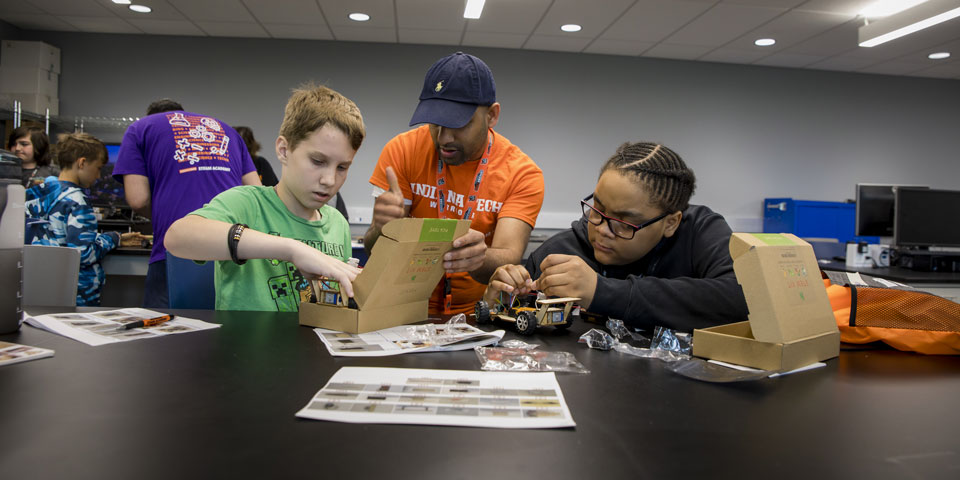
pixel 900 316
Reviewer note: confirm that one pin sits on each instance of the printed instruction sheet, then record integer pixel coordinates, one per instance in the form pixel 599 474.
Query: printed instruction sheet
pixel 407 339
pixel 441 397
pixel 11 353
pixel 101 328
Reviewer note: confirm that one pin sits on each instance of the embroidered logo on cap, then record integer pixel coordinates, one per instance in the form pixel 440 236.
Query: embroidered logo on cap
pixel 439 86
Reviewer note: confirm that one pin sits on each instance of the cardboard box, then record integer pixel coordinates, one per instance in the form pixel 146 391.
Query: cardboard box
pixel 790 322
pixel 395 285
pixel 31 102
pixel 29 80
pixel 16 53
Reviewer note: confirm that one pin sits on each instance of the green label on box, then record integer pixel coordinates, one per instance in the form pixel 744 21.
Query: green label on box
pixel 438 230
pixel 774 239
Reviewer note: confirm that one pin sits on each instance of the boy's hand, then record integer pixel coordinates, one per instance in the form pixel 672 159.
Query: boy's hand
pixel 314 264
pixel 467 254
pixel 131 239
pixel 512 279
pixel 388 205
pixel 567 276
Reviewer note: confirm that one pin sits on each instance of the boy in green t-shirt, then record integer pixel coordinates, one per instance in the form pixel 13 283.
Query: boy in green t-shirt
pixel 288 232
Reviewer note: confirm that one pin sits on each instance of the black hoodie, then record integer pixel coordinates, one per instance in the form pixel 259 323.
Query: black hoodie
pixel 685 282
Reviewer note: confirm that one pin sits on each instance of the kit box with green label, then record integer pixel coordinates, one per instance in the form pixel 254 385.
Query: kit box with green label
pixel 791 324
pixel 395 285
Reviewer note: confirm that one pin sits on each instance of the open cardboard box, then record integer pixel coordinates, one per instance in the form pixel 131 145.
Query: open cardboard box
pixel 791 324
pixel 395 285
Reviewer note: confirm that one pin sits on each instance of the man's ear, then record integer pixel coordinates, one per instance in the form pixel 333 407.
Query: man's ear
pixel 493 115
pixel 673 223
pixel 282 149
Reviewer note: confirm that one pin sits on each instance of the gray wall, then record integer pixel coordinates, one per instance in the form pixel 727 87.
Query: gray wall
pixel 748 132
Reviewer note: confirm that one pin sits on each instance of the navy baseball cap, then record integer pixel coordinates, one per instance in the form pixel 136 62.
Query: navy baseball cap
pixel 452 90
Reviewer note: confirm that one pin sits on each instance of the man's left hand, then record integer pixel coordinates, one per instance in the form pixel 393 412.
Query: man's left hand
pixel 467 254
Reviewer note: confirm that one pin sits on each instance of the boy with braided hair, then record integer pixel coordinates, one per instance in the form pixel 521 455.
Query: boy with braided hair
pixel 641 252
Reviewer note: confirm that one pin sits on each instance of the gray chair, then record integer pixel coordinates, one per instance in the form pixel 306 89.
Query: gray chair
pixel 50 276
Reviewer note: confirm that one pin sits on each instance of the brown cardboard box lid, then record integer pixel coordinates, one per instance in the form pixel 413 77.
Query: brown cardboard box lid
pixel 407 261
pixel 781 282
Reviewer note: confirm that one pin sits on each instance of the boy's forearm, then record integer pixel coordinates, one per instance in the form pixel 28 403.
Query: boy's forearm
pixel 199 238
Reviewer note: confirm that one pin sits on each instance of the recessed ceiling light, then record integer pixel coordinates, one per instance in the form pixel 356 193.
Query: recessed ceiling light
pixel 571 27
pixel 359 17
pixel 141 8
pixel 885 8
pixel 939 55
pixel 122 2
pixel 764 42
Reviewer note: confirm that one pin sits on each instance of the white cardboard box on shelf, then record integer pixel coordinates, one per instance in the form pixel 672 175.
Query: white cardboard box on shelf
pixel 29 80
pixel 17 53
pixel 32 102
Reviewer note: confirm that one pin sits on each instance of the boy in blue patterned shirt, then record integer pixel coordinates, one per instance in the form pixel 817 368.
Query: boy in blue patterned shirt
pixel 58 214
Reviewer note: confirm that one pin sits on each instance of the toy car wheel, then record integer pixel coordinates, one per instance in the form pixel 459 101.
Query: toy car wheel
pixel 482 312
pixel 564 326
pixel 526 323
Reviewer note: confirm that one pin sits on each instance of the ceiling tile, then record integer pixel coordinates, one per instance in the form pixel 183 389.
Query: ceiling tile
pixel 221 11
pixel 426 15
pixel 733 55
pixel 618 47
pixel 766 3
pixel 233 29
pixel 109 24
pixel 38 22
pixel 289 12
pixel 429 37
pixel 161 11
pixel 844 63
pixel 594 17
pixel 556 43
pixel 950 70
pixel 843 7
pixel 166 27
pixel 681 52
pixel 509 16
pixel 893 68
pixel 18 6
pixel 380 11
pixel 791 28
pixel 654 20
pixel 496 40
pixel 76 8
pixel 832 42
pixel 307 32
pixel 722 24
pixel 364 34
pixel 781 59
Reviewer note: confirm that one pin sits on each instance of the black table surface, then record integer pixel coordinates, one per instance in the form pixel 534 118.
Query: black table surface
pixel 221 403
pixel 897 274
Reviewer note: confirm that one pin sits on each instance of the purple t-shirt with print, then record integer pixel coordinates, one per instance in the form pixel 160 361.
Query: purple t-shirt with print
pixel 189 158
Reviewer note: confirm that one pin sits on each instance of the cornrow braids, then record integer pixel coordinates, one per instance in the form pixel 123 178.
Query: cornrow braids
pixel 669 181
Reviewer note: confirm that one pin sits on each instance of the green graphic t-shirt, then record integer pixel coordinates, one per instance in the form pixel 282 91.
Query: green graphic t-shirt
pixel 270 285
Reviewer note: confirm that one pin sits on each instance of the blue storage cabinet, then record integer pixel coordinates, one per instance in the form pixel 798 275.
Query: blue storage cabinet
pixel 810 219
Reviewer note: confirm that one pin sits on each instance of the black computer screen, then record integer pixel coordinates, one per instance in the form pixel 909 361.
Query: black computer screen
pixel 874 211
pixel 107 192
pixel 927 218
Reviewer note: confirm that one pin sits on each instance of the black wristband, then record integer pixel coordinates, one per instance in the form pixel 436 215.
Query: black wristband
pixel 233 239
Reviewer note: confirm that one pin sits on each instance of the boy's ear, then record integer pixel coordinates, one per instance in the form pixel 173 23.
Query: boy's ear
pixel 673 222
pixel 282 149
pixel 81 162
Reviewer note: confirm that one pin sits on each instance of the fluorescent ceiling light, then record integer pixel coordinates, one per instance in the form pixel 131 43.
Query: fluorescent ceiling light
pixel 917 18
pixel 885 8
pixel 571 27
pixel 140 8
pixel 122 2
pixel 359 17
pixel 474 8
pixel 764 42
pixel 939 55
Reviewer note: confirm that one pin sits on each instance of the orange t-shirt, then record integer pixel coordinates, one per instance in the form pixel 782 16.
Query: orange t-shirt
pixel 511 187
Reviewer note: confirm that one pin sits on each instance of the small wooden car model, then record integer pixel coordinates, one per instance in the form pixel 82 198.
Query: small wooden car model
pixel 528 312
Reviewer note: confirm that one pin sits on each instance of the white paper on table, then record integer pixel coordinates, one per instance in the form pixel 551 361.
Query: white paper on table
pixel 11 353
pixel 407 339
pixel 441 397
pixel 100 328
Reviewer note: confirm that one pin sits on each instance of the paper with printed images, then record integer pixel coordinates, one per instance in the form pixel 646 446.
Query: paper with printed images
pixel 441 397
pixel 407 339
pixel 100 328
pixel 11 353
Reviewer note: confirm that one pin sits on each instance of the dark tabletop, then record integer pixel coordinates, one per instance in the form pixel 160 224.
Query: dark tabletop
pixel 897 274
pixel 221 403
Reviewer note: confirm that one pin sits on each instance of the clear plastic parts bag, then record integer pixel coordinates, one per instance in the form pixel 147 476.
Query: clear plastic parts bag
pixel 666 345
pixel 598 339
pixel 527 360
pixel 519 344
pixel 457 319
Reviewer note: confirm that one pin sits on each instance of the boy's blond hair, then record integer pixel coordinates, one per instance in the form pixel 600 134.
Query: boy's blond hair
pixel 72 146
pixel 313 106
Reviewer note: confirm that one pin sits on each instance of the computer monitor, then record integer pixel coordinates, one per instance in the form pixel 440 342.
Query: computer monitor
pixel 874 210
pixel 927 218
pixel 107 192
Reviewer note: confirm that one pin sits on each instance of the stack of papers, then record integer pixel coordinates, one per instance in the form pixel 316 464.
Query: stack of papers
pixel 407 339
pixel 11 353
pixel 101 328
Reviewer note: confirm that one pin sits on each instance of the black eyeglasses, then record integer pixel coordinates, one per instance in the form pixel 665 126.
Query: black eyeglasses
pixel 621 229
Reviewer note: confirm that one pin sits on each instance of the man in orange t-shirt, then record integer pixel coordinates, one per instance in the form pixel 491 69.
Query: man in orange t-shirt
pixel 456 166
